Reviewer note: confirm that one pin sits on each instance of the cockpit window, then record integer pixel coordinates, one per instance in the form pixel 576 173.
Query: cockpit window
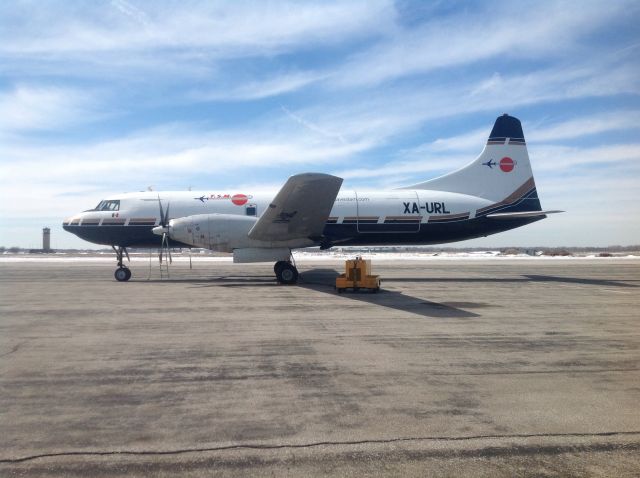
pixel 108 206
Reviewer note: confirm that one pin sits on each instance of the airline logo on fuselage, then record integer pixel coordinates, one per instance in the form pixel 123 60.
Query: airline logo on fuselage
pixel 237 199
pixel 429 207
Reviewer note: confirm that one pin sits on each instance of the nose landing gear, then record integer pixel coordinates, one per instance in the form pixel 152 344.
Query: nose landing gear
pixel 122 273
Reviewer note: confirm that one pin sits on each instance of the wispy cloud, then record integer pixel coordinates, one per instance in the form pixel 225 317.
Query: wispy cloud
pixel 542 133
pixel 497 30
pixel 45 108
pixel 132 12
pixel 154 157
pixel 558 158
pixel 595 124
pixel 313 127
pixel 223 29
pixel 254 90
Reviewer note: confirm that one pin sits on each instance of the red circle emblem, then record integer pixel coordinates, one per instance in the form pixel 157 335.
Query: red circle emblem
pixel 507 164
pixel 239 199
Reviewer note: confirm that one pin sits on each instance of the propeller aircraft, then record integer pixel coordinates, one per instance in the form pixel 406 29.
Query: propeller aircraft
pixel 312 209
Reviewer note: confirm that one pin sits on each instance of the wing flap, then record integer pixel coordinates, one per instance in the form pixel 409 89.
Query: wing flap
pixel 299 210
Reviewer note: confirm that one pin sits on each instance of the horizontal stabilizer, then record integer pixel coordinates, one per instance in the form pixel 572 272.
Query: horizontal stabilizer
pixel 520 215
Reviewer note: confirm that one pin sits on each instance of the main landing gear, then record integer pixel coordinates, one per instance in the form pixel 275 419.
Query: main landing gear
pixel 122 273
pixel 286 272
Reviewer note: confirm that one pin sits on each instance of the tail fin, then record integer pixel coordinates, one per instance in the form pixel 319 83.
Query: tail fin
pixel 502 173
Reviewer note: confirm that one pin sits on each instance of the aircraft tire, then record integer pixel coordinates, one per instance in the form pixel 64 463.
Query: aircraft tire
pixel 277 266
pixel 287 274
pixel 122 274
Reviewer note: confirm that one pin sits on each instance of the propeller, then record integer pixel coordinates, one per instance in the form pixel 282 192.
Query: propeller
pixel 164 229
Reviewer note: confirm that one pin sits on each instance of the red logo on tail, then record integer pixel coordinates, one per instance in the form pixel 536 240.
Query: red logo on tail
pixel 507 164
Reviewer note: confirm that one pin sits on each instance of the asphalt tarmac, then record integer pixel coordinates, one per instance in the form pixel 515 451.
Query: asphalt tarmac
pixel 457 368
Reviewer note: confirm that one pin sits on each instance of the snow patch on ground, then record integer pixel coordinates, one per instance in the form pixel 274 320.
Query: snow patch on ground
pixel 303 256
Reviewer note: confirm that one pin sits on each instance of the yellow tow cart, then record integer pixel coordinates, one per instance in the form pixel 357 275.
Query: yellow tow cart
pixel 358 276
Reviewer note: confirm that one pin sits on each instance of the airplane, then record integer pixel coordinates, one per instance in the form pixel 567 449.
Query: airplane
pixel 312 209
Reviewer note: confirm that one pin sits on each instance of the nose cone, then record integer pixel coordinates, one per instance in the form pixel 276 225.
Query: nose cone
pixel 70 224
pixel 160 230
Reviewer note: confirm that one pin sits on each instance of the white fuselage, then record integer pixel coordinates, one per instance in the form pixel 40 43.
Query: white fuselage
pixel 394 211
pixel 349 205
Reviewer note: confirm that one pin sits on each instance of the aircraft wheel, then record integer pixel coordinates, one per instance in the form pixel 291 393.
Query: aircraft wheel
pixel 122 274
pixel 287 274
pixel 278 265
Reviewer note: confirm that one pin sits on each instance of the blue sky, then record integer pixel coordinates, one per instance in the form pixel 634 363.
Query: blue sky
pixel 104 97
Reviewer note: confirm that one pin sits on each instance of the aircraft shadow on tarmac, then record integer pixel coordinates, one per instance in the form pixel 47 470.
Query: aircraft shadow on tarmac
pixel 523 278
pixel 323 280
pixel 579 280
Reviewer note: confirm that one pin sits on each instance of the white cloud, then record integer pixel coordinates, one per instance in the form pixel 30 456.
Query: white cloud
pixel 585 126
pixel 223 29
pixel 253 90
pixel 557 157
pixel 132 11
pixel 397 173
pixel 472 141
pixel 173 43
pixel 314 127
pixel 496 31
pixel 157 156
pixel 45 108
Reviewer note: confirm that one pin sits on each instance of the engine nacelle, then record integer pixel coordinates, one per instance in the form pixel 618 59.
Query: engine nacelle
pixel 227 233
pixel 220 232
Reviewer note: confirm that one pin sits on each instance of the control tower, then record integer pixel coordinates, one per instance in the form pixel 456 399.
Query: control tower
pixel 46 240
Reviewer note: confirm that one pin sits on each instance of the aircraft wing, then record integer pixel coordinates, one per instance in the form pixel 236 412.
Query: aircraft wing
pixel 299 210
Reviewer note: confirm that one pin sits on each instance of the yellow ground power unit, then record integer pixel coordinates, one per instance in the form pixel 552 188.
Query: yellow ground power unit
pixel 358 276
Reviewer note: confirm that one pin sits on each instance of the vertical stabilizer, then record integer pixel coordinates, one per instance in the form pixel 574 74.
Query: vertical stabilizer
pixel 502 173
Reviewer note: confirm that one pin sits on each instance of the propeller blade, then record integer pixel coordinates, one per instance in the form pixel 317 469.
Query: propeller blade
pixel 164 230
pixel 161 212
pixel 165 221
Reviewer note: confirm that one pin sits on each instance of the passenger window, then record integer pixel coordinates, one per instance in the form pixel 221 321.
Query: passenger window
pixel 251 210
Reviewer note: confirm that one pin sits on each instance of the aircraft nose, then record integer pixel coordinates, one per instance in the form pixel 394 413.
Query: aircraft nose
pixel 70 221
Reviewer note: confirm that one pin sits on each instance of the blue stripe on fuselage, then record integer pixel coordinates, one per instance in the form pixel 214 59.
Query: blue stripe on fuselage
pixel 339 234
